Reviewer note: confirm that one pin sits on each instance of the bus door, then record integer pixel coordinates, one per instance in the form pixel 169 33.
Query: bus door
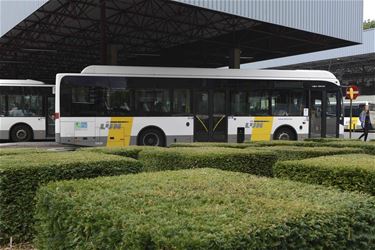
pixel 316 113
pixel 50 120
pixel 332 107
pixel 210 120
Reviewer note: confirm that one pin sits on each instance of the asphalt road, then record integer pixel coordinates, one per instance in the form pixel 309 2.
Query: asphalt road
pixel 55 146
pixel 37 144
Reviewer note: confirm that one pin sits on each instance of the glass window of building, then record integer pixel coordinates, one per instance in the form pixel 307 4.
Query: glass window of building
pixel 258 102
pixel 181 101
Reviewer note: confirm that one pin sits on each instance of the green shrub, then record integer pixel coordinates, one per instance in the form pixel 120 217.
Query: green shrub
pixel 210 144
pixel 368 147
pixel 249 161
pixel 21 175
pixel 129 151
pixel 294 153
pixel 201 209
pixel 355 172
pixel 330 140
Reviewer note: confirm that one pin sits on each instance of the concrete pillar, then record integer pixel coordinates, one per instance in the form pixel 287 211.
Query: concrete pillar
pixel 235 58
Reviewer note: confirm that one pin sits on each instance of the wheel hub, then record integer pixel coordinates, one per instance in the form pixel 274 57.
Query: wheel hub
pixel 21 134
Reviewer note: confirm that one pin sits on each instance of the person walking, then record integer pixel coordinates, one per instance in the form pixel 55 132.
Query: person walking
pixel 364 118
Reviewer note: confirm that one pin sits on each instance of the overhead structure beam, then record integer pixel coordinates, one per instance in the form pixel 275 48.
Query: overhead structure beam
pixel 143 32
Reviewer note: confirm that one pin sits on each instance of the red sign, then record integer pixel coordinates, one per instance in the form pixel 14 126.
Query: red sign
pixel 352 92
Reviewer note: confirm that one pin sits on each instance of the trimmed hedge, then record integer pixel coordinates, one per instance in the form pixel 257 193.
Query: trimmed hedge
pixel 21 175
pixel 354 172
pixel 330 140
pixel 368 147
pixel 209 144
pixel 129 151
pixel 296 153
pixel 249 161
pixel 201 209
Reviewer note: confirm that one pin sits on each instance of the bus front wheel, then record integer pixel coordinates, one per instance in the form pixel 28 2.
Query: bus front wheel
pixel 285 133
pixel 21 133
pixel 151 137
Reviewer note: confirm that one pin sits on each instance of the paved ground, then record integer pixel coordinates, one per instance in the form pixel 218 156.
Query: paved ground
pixel 53 145
pixel 36 144
pixel 355 135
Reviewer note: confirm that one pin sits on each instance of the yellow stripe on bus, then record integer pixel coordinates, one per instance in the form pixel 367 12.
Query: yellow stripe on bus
pixel 262 128
pixel 119 131
pixel 355 120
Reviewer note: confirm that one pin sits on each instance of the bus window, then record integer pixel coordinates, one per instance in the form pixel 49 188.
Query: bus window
pixel 181 101
pixel 15 105
pixel 331 104
pixel 259 103
pixel 2 105
pixel 279 102
pixel 33 105
pixel 152 101
pixel 296 103
pixel 120 101
pixel 238 103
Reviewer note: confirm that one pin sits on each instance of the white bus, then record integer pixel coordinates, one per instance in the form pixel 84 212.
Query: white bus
pixel 26 110
pixel 357 108
pixel 120 106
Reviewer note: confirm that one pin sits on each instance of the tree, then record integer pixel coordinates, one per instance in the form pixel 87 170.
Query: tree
pixel 368 24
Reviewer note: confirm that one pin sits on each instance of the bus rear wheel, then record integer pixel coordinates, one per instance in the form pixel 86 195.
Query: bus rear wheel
pixel 21 133
pixel 151 137
pixel 286 134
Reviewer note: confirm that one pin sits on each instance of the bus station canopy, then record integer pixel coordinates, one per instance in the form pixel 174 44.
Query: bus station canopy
pixel 67 35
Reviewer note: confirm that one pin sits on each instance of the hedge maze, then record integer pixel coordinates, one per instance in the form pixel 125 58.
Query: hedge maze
pixel 265 195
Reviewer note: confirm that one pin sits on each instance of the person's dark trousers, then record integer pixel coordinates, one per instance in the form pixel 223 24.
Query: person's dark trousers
pixel 365 133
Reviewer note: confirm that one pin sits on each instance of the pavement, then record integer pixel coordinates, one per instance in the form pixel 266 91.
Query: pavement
pixel 51 145
pixel 355 135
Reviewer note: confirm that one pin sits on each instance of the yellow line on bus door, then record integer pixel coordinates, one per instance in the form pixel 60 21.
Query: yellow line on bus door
pixel 261 128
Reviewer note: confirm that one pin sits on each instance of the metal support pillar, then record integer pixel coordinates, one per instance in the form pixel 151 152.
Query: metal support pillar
pixel 103 33
pixel 113 53
pixel 235 58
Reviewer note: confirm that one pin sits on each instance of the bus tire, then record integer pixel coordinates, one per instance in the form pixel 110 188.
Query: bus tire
pixel 21 133
pixel 151 137
pixel 285 133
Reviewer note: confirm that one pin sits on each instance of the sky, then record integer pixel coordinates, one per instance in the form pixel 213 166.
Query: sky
pixel 368 9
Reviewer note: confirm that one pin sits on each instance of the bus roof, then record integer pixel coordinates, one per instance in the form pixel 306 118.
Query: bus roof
pixel 21 82
pixel 311 75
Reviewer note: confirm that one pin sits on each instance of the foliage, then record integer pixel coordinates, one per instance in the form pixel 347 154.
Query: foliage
pixel 249 161
pixel 369 24
pixel 284 153
pixel 355 172
pixel 210 144
pixel 21 175
pixel 129 151
pixel 201 209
